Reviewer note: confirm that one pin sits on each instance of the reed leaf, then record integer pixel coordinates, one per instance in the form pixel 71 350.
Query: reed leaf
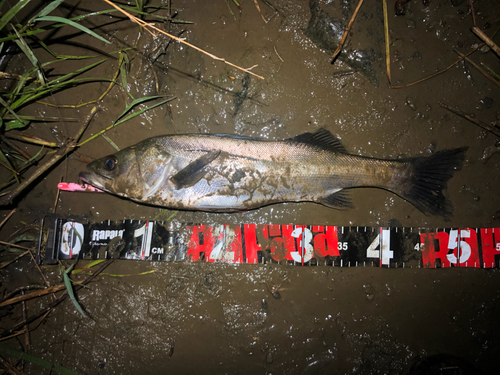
pixel 12 12
pixel 69 289
pixel 74 24
pixel 126 118
pixel 30 55
pixel 45 11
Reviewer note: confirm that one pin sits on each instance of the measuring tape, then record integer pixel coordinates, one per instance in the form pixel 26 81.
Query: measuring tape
pixel 305 245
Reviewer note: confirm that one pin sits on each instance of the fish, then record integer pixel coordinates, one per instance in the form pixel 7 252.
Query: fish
pixel 227 173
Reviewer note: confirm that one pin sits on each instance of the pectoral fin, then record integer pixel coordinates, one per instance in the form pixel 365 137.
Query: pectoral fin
pixel 194 171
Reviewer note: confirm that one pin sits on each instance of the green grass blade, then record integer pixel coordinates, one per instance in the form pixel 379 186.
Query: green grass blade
pixel 140 5
pixel 56 25
pixel 71 294
pixel 113 144
pixel 34 157
pixel 131 116
pixel 68 270
pixel 90 265
pixel 124 60
pixel 74 24
pixel 12 12
pixel 7 107
pixel 15 124
pixel 74 82
pixel 270 5
pixel 45 11
pixel 7 351
pixel 25 77
pixel 35 118
pixel 94 263
pixel 30 55
pixel 136 102
pixel 61 57
pixel 230 10
pixel 125 119
pixel 169 218
pixel 7 162
pixel 25 237
pixel 51 84
pixel 76 72
pixel 492 73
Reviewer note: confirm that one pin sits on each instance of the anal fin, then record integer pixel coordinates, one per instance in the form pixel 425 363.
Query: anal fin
pixel 340 200
pixel 194 171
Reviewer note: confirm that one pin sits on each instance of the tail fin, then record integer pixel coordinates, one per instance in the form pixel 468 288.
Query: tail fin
pixel 429 178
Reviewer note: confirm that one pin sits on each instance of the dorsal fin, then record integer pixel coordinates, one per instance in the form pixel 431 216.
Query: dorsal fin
pixel 321 138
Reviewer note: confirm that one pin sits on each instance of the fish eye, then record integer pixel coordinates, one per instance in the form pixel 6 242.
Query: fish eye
pixel 111 162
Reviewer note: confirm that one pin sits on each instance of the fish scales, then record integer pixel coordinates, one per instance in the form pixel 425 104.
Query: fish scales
pixel 226 173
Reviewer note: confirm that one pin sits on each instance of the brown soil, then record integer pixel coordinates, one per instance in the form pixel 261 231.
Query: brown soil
pixel 214 318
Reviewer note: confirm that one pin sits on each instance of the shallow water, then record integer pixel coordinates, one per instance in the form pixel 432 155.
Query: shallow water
pixel 190 318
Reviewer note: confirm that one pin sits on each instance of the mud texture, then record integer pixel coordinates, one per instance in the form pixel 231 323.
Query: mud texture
pixel 190 318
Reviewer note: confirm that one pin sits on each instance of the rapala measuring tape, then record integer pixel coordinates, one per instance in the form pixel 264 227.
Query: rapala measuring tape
pixel 306 245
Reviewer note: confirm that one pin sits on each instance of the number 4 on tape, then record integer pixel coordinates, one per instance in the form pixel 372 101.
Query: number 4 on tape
pixel 381 247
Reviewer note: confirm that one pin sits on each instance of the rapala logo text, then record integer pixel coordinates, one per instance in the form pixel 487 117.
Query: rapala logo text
pixel 99 235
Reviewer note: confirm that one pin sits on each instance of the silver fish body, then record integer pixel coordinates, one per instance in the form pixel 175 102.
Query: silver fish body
pixel 224 173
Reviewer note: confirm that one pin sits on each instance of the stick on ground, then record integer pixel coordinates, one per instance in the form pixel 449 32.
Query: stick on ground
pixel 148 27
pixel 346 32
pixel 487 40
pixel 483 125
pixel 56 302
pixel 61 152
pixel 481 70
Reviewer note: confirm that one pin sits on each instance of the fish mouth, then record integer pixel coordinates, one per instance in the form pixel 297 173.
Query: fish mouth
pixel 93 179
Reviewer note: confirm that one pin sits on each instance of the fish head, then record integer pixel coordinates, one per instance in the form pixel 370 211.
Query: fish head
pixel 136 172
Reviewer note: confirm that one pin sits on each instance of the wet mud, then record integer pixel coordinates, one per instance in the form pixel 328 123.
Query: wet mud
pixel 219 318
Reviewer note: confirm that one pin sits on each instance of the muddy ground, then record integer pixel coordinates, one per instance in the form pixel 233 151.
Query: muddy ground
pixel 219 318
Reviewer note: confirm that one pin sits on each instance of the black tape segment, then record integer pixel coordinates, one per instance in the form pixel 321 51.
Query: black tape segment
pixel 305 245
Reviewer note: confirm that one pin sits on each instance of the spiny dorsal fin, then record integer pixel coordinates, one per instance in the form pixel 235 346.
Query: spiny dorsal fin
pixel 321 138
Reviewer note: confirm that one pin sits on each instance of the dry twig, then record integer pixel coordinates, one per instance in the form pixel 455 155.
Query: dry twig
pixel 481 70
pixel 437 73
pixel 61 152
pixel 6 263
pixel 346 32
pixel 387 43
pixel 148 28
pixel 35 294
pixel 487 40
pixel 11 369
pixel 258 9
pixel 56 302
pixel 483 125
pixel 473 13
pixel 14 245
pixel 7 217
